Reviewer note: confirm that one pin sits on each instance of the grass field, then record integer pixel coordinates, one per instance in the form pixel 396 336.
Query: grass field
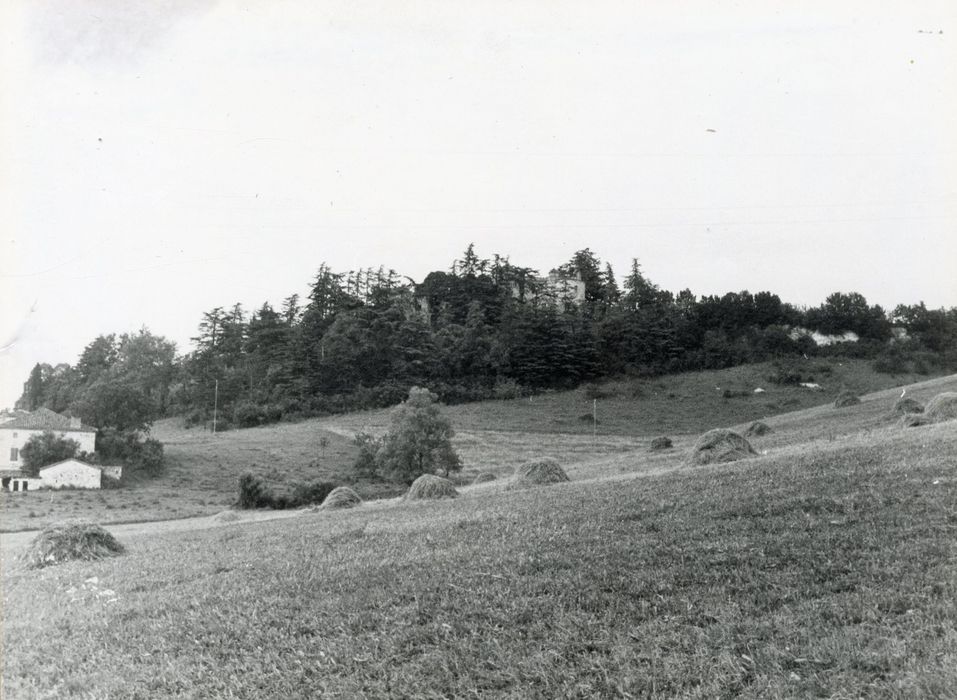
pixel 203 469
pixel 824 567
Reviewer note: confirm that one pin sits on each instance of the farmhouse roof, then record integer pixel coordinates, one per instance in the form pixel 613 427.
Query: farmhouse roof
pixel 45 419
pixel 13 473
pixel 72 459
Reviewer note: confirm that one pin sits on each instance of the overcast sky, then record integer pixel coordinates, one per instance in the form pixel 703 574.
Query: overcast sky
pixel 158 159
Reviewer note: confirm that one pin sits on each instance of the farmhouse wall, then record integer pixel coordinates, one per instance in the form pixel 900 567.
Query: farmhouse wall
pixel 16 439
pixel 71 473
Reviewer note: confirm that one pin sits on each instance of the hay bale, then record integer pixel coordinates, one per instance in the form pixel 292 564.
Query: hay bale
pixel 942 407
pixel 721 445
pixel 227 516
pixel 907 406
pixel 757 429
pixel 63 542
pixel 341 497
pixel 483 477
pixel 538 472
pixel 661 443
pixel 845 399
pixel 431 486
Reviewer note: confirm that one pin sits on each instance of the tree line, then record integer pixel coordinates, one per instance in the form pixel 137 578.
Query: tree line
pixel 484 328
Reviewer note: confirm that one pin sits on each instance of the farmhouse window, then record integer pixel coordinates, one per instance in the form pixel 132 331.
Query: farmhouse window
pixel 14 454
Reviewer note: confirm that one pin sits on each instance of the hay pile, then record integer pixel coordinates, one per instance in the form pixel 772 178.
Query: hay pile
pixel 341 497
pixel 661 443
pixel 845 399
pixel 757 429
pixel 906 406
pixel 431 486
pixel 70 542
pixel 227 516
pixel 942 407
pixel 539 472
pixel 720 445
pixel 482 477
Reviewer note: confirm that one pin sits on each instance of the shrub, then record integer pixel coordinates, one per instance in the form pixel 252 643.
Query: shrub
pixel 138 455
pixel 46 448
pixel 310 493
pixel 786 374
pixel 253 493
pixel 366 464
pixel 483 477
pixel 70 542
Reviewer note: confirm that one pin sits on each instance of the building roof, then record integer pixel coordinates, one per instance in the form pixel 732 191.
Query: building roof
pixel 45 419
pixel 13 473
pixel 72 459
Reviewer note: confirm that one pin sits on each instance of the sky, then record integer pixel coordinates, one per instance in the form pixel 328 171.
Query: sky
pixel 161 158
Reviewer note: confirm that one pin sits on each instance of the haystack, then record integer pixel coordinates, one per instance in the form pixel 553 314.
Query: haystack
pixel 845 399
pixel 341 497
pixel 65 542
pixel 942 407
pixel 482 477
pixel 538 472
pixel 431 486
pixel 906 406
pixel 227 516
pixel 757 429
pixel 661 443
pixel 720 445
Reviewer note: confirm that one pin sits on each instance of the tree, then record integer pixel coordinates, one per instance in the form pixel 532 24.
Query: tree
pixel 419 440
pixel 46 448
pixel 116 403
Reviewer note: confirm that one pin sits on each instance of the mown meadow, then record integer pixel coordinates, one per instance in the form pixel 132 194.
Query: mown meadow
pixel 825 566
pixel 202 469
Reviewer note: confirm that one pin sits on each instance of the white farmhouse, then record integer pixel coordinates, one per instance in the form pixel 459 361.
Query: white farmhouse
pixel 15 433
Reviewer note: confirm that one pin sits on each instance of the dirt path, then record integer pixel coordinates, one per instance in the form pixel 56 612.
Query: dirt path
pixel 15 540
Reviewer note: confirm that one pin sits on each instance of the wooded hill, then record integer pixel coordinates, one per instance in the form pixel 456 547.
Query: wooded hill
pixel 485 328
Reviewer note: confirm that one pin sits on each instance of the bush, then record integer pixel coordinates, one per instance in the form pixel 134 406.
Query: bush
pixel 253 493
pixel 787 374
pixel 44 449
pixel 365 464
pixel 310 493
pixel 138 455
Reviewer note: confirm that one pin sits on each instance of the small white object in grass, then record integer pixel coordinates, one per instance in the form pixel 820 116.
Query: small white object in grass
pixel 794 676
pixel 759 390
pixel 936 481
pixel 93 580
pixel 810 385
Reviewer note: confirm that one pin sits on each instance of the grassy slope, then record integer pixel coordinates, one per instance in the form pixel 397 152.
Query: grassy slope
pixel 203 469
pixel 825 567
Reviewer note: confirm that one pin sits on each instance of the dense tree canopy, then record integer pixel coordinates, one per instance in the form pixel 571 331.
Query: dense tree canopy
pixel 482 328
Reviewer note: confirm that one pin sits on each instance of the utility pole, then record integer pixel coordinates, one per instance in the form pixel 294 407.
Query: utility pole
pixel 215 404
